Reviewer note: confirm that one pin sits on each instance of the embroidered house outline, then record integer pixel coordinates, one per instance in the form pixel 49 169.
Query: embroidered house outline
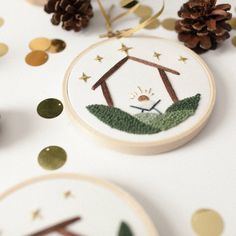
pixel 161 69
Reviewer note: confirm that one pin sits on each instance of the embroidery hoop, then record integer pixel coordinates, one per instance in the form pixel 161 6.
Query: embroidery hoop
pixel 118 191
pixel 145 148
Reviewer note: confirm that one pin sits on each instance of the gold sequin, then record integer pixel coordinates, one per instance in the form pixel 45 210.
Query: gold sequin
pixel 38 2
pixel 153 25
pixel 206 222
pixel 232 22
pixel 144 11
pixel 41 44
pixel 57 45
pixel 3 49
pixel 1 21
pixel 169 24
pixel 36 58
pixel 234 41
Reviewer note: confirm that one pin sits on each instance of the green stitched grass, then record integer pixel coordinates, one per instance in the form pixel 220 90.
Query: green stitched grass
pixel 146 123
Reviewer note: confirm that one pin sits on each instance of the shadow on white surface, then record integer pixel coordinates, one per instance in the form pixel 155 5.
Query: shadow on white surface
pixel 15 126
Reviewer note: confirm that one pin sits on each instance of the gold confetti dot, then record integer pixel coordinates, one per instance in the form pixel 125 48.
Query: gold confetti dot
pixel 57 45
pixel 232 22
pixel 38 2
pixel 52 158
pixel 206 222
pixel 36 58
pixel 41 44
pixel 153 25
pixel 169 24
pixel 234 41
pixel 1 21
pixel 3 49
pixel 144 11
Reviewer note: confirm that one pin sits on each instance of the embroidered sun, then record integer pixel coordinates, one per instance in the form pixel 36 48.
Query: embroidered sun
pixel 142 95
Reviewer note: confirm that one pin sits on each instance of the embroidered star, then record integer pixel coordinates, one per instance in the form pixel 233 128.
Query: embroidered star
pixel 84 77
pixel 157 55
pixel 99 58
pixel 125 49
pixel 36 215
pixel 183 59
pixel 68 194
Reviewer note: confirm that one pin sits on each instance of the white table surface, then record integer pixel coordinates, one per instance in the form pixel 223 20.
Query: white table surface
pixel 170 186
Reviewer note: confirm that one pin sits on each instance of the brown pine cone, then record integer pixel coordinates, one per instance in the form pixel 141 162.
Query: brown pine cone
pixel 74 14
pixel 204 24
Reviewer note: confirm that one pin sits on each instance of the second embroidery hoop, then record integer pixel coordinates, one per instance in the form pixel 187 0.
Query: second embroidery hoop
pixel 140 100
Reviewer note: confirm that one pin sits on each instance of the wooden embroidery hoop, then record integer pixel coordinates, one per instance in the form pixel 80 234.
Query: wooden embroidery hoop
pixel 145 148
pixel 120 193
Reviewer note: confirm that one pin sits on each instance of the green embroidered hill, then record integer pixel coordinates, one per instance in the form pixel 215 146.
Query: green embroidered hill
pixel 146 123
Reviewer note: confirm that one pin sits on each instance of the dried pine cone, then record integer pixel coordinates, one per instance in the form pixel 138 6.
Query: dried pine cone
pixel 74 14
pixel 204 24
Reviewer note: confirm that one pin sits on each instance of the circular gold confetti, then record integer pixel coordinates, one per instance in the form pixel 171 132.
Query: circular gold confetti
pixel 50 108
pixel 232 22
pixel 38 2
pixel 144 11
pixel 3 49
pixel 57 45
pixel 206 222
pixel 41 44
pixel 52 158
pixel 1 21
pixel 169 24
pixel 234 41
pixel 36 58
pixel 153 25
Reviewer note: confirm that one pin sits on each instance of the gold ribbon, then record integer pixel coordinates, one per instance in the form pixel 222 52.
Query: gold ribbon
pixel 126 32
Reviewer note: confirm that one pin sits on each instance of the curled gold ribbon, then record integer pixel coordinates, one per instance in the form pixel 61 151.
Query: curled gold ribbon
pixel 126 32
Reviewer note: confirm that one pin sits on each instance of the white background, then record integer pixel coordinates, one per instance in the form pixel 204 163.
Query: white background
pixel 170 186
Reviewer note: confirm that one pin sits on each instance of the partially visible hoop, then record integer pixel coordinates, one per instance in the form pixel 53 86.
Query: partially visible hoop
pixel 145 148
pixel 120 193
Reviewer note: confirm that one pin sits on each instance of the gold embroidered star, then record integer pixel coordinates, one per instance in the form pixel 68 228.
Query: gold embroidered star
pixel 99 58
pixel 84 77
pixel 157 55
pixel 36 215
pixel 68 194
pixel 183 59
pixel 125 49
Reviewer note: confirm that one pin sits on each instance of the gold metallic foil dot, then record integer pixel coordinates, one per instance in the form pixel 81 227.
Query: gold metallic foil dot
pixel 206 222
pixel 36 58
pixel 50 108
pixel 234 41
pixel 41 44
pixel 57 45
pixel 1 21
pixel 144 11
pixel 52 158
pixel 38 2
pixel 153 25
pixel 169 24
pixel 232 22
pixel 3 49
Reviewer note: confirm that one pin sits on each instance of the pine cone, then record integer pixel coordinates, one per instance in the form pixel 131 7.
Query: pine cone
pixel 204 24
pixel 74 14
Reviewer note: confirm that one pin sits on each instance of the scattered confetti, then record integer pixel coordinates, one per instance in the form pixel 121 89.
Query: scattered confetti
pixel 1 21
pixel 41 44
pixel 36 215
pixel 36 58
pixel 157 55
pixel 153 25
pixel 206 222
pixel 144 11
pixel 169 24
pixel 50 108
pixel 52 158
pixel 3 49
pixel 57 45
pixel 125 49
pixel 99 58
pixel 84 77
pixel 183 59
